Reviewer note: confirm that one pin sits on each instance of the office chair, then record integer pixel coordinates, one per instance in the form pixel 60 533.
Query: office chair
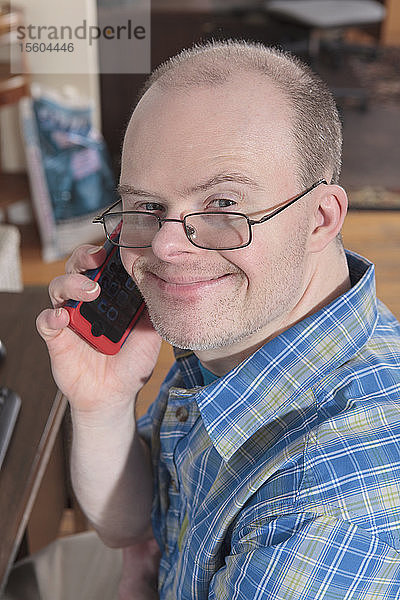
pixel 322 17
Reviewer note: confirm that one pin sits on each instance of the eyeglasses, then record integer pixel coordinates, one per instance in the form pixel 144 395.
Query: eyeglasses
pixel 207 230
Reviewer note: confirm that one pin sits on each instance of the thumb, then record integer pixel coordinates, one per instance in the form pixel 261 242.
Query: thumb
pixel 50 323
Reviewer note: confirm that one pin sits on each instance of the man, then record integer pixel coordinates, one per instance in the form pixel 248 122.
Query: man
pixel 269 464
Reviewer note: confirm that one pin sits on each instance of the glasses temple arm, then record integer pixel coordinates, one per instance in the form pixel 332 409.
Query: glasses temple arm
pixel 99 218
pixel 281 208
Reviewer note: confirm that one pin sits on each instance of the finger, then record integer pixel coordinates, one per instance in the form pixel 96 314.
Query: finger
pixel 85 257
pixel 50 323
pixel 74 287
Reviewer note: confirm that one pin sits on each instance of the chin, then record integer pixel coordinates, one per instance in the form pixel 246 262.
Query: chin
pixel 187 341
pixel 184 334
pixel 208 337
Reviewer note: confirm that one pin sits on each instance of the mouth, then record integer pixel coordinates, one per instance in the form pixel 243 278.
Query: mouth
pixel 186 286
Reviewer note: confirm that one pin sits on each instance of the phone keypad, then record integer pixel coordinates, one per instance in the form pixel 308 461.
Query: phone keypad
pixel 119 300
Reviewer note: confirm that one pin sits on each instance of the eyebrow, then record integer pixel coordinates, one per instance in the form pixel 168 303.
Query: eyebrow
pixel 126 189
pixel 223 178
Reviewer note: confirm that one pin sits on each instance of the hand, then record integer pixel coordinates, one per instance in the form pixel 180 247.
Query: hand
pixel 91 380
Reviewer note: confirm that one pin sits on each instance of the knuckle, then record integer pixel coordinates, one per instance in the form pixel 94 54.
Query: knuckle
pixel 42 322
pixel 72 286
pixel 73 264
pixel 81 259
pixel 55 290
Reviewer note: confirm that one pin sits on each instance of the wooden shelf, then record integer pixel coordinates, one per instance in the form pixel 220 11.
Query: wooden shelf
pixel 13 86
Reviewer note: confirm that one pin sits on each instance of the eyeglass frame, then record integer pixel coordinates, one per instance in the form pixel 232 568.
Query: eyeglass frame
pixel 250 222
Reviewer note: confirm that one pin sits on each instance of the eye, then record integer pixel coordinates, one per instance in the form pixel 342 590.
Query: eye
pixel 221 203
pixel 151 207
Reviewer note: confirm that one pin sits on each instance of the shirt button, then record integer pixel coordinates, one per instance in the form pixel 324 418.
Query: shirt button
pixel 182 414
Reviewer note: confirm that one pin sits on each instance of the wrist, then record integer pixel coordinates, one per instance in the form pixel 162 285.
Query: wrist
pixel 105 416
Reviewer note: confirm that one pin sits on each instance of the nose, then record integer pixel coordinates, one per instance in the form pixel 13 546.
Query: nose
pixel 171 241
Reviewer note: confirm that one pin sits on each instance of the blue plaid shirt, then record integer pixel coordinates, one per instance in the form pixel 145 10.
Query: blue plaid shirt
pixel 281 480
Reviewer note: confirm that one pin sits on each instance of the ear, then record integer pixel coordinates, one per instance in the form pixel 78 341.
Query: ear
pixel 328 216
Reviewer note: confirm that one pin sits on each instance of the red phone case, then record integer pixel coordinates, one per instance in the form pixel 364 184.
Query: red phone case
pixel 91 331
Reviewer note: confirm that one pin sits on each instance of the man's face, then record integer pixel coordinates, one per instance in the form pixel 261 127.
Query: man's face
pixel 216 148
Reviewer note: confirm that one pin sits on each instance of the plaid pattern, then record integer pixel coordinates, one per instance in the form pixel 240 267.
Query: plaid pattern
pixel 281 480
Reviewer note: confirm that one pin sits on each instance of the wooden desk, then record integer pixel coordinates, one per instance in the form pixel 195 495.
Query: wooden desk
pixel 26 370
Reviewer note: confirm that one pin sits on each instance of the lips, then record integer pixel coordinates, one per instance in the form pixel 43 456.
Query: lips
pixel 185 286
pixel 188 280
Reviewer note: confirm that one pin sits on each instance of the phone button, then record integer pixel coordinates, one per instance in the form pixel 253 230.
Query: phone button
pixel 122 298
pixel 97 329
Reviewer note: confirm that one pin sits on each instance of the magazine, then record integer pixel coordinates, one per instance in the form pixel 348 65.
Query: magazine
pixel 69 171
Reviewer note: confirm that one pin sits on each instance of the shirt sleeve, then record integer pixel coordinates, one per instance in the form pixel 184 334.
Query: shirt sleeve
pixel 307 557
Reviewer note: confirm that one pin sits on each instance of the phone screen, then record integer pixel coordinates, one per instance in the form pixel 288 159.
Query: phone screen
pixel 111 313
pixel 106 322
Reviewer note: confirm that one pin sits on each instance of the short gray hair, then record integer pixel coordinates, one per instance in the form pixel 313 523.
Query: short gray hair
pixel 316 126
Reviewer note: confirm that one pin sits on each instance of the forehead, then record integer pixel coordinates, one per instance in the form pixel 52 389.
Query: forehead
pixel 243 124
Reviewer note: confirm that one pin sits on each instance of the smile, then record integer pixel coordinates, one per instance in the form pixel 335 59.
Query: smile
pixel 188 286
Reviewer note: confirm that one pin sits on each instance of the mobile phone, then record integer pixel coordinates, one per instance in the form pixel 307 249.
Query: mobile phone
pixel 106 322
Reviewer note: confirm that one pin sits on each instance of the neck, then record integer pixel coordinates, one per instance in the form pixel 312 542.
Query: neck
pixel 327 279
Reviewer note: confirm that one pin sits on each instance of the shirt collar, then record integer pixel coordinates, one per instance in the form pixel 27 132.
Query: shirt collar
pixel 262 387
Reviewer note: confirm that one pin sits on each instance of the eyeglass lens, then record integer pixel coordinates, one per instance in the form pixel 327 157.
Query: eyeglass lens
pixel 222 230
pixel 211 231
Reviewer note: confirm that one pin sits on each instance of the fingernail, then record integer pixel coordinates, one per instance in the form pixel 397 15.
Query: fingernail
pixel 58 312
pixel 95 249
pixel 90 286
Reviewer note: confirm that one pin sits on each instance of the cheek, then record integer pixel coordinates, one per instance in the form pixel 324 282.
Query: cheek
pixel 272 242
pixel 246 260
pixel 128 259
pixel 265 260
